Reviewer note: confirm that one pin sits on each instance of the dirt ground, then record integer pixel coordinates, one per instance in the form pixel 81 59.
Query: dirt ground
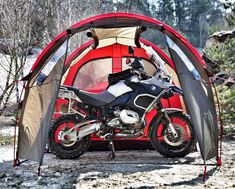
pixel 129 170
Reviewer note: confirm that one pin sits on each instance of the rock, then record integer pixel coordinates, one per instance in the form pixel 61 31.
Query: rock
pixel 2 175
pixel 53 180
pixel 89 178
pixel 57 174
pixel 7 179
pixel 41 181
pixel 95 185
pixel 29 184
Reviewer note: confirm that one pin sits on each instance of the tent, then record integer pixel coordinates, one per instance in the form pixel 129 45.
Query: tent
pixel 40 97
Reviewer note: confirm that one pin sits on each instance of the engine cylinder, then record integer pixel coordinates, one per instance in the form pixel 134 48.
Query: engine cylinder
pixel 129 117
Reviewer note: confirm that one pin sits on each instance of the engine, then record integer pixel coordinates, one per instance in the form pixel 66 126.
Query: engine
pixel 125 119
pixel 129 117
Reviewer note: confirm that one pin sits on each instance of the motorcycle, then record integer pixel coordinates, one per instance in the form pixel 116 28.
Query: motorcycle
pixel 119 112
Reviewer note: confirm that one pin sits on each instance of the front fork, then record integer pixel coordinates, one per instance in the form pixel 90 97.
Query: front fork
pixel 169 123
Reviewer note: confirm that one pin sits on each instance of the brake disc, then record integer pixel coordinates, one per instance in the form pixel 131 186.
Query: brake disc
pixel 175 141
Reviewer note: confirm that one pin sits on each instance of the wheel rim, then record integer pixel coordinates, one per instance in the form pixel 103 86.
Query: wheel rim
pixel 63 137
pixel 169 142
pixel 175 141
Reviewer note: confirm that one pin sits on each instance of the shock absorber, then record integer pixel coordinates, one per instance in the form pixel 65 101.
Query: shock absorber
pixel 171 126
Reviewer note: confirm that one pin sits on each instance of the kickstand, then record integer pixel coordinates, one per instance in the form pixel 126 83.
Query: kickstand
pixel 111 147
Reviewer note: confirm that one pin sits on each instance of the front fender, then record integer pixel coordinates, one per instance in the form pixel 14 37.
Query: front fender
pixel 159 116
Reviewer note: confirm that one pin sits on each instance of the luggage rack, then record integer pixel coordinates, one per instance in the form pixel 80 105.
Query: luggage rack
pixel 70 96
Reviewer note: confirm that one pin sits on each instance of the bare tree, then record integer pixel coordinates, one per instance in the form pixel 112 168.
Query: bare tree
pixel 16 42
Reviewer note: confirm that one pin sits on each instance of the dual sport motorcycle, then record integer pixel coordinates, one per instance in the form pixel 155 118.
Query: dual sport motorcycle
pixel 119 112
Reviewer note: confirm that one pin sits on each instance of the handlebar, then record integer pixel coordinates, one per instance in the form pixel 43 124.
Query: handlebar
pixel 177 90
pixel 171 91
pixel 138 67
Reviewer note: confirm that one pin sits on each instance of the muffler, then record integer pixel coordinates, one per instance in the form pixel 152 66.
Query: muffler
pixel 88 129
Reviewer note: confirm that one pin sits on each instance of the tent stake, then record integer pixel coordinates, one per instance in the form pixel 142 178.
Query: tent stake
pixel 39 170
pixel 204 172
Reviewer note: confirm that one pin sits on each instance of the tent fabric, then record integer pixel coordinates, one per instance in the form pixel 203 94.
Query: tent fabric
pixel 199 105
pixel 38 110
pixel 118 20
pixel 109 36
pixel 94 74
pixel 106 33
pixel 101 53
pixel 77 57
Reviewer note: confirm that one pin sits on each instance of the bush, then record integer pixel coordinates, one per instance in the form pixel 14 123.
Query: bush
pixel 224 55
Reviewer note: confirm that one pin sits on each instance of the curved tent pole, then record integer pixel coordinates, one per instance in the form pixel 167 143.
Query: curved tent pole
pixel 92 34
pixel 89 23
pixel 138 32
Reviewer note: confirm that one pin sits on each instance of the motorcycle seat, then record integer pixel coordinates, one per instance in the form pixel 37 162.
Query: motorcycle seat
pixel 94 99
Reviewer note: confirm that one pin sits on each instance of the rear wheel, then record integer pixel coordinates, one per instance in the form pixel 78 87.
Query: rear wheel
pixel 164 141
pixel 65 145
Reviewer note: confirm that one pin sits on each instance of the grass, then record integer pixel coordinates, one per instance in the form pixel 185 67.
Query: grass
pixel 229 132
pixel 6 140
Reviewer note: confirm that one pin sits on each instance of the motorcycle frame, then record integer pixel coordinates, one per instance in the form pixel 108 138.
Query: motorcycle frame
pixel 89 127
pixel 152 104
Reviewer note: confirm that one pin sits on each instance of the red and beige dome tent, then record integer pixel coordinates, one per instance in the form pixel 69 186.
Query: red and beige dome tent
pixel 40 98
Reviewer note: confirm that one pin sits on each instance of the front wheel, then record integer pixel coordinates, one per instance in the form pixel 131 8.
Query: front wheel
pixel 65 145
pixel 163 140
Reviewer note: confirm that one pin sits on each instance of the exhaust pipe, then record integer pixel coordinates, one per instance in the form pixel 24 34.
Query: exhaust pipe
pixel 89 129
pixel 136 135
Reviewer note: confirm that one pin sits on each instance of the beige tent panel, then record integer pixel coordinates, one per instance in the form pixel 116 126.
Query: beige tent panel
pixel 127 32
pixel 38 109
pixel 109 36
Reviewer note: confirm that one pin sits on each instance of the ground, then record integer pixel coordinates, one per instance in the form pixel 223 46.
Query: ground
pixel 129 170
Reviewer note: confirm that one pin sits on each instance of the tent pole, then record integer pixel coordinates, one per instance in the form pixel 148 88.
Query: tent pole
pixel 16 161
pixel 219 156
pixel 15 155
